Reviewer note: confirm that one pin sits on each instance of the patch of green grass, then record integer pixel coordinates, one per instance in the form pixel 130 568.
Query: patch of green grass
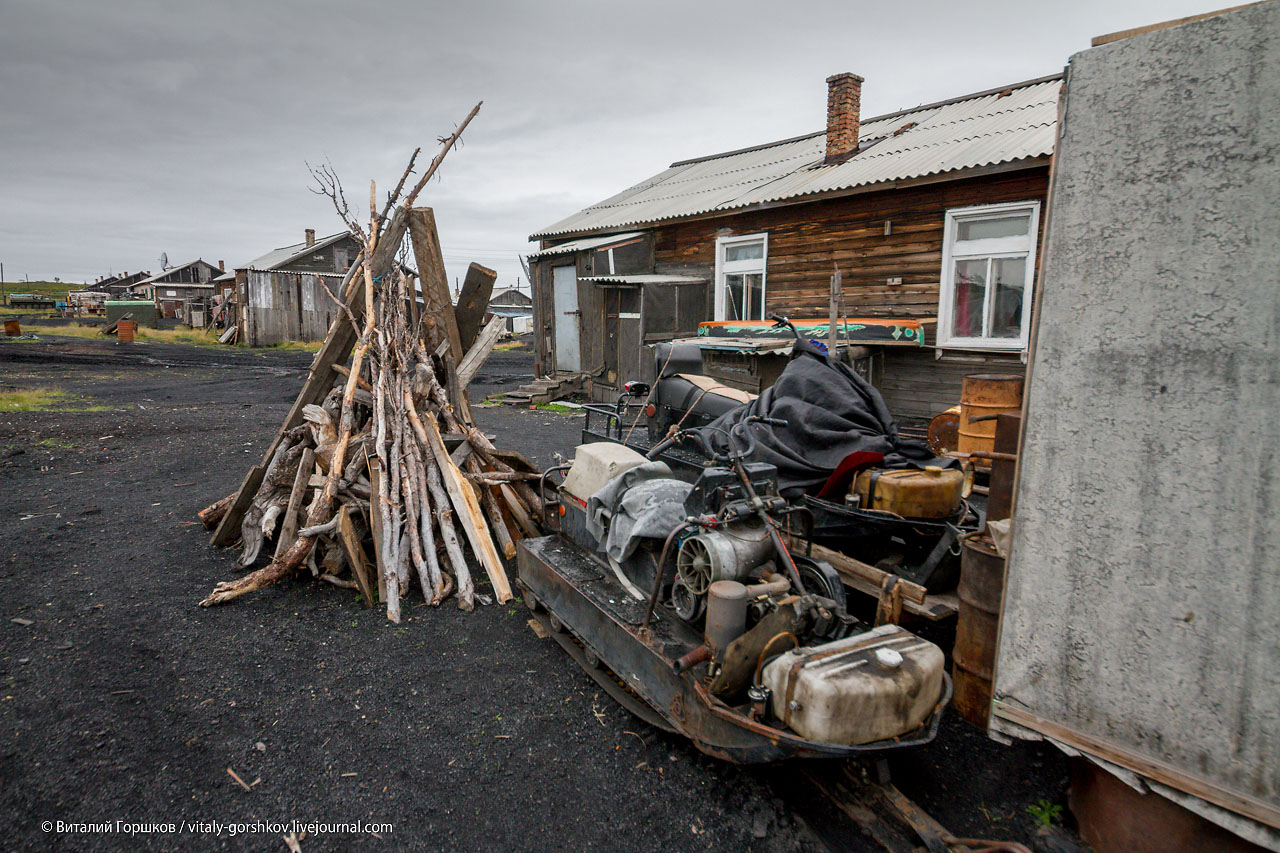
pixel 298 346
pixel 57 443
pixel 508 346
pixel 46 400
pixel 558 409
pixel 1044 812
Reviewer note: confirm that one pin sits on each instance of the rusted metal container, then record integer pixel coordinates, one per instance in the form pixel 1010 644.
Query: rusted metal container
pixel 1000 498
pixel 944 431
pixel 932 493
pixel 12 328
pixel 981 586
pixel 982 395
pixel 125 330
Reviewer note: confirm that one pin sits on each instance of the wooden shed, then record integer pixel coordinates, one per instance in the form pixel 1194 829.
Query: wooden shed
pixel 930 214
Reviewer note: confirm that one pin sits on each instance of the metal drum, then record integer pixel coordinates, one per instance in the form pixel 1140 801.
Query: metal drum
pixel 980 589
pixel 981 395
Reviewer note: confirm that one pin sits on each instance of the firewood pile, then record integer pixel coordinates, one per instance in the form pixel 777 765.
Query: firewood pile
pixel 379 480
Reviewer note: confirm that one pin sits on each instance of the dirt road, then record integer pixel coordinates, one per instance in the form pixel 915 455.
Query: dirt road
pixel 124 701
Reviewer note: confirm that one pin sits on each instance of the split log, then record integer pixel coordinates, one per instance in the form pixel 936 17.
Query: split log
pixel 350 540
pixel 213 513
pixel 464 501
pixel 290 526
pixel 518 511
pixel 479 351
pixel 473 302
pixel 497 524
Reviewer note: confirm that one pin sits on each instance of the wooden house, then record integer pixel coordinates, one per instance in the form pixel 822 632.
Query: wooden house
pixel 281 295
pixel 930 214
pixel 173 288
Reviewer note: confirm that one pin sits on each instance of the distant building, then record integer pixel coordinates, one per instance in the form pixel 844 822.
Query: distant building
pixel 175 287
pixel 114 285
pixel 281 295
pixel 514 307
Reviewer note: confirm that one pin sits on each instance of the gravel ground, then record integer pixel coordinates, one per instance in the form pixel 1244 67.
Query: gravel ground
pixel 124 701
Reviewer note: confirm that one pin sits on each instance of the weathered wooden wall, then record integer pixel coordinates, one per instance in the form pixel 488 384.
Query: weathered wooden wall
pixel 806 242
pixel 284 306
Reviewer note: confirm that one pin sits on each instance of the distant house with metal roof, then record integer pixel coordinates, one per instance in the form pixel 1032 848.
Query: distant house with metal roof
pixel 930 214
pixel 173 288
pixel 281 296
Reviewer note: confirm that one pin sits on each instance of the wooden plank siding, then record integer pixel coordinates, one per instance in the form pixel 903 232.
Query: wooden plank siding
pixel 807 241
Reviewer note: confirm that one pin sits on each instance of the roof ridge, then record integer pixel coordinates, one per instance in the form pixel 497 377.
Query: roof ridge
pixel 886 116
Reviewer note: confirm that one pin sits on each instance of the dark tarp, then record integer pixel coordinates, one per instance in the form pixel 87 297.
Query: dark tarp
pixel 831 412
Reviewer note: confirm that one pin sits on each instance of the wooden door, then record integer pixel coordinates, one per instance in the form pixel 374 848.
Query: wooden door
pixel 567 317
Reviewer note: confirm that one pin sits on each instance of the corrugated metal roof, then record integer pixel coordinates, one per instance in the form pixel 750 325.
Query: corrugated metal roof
pixel 989 128
pixel 280 257
pixel 586 243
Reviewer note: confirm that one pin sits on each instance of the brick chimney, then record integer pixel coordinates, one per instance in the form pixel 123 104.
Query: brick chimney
pixel 222 266
pixel 844 101
pixel 311 237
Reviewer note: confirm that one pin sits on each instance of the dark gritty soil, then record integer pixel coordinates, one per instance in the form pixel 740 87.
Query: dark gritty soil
pixel 124 700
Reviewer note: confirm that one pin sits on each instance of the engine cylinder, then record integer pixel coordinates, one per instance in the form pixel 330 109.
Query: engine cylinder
pixel 726 615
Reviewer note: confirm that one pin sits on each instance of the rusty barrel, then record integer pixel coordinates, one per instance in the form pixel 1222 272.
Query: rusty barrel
pixel 980 589
pixel 944 431
pixel 12 328
pixel 125 330
pixel 982 395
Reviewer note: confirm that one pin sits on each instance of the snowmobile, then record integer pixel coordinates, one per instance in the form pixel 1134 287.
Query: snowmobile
pixel 921 547
pixel 685 604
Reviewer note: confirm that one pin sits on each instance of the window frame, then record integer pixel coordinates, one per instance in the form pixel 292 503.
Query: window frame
pixel 753 265
pixel 990 248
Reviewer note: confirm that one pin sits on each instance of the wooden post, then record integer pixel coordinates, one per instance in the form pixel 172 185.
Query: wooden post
pixel 355 553
pixel 375 522
pixel 438 318
pixel 833 343
pixel 479 351
pixel 473 302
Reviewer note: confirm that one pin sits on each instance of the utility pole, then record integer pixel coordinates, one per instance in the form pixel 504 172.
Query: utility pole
pixel 833 315
pixel 4 297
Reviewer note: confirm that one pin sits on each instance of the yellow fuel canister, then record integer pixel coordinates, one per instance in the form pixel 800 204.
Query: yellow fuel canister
pixel 930 493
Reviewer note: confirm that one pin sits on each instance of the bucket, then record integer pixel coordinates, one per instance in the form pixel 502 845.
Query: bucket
pixel 985 394
pixel 12 328
pixel 980 589
pixel 125 330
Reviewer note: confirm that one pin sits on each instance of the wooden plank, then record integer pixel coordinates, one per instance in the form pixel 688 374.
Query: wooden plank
pixel 1152 768
pixel 229 528
pixel 438 318
pixel 1163 25
pixel 355 554
pixel 473 303
pixel 469 513
pixel 849 568
pixel 375 522
pixel 518 511
pixel 289 527
pixel 479 351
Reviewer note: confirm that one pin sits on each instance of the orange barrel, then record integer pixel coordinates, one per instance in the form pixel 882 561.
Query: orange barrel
pixel 125 330
pixel 944 431
pixel 12 328
pixel 980 589
pixel 986 394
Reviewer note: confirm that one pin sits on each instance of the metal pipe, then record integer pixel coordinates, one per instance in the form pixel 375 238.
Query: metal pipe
pixel 699 655
pixel 775 584
pixel 657 575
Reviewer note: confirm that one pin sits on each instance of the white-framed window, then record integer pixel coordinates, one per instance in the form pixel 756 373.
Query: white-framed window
pixel 988 265
pixel 740 279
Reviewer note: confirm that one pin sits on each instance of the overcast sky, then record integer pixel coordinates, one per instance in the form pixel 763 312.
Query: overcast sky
pixel 129 128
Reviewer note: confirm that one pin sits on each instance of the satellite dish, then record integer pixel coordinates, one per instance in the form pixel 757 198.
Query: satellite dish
pixel 164 260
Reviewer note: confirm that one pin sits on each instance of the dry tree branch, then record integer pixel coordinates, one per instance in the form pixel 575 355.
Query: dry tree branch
pixel 328 184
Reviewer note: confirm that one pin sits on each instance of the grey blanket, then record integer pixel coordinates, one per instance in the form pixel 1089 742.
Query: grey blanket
pixel 645 502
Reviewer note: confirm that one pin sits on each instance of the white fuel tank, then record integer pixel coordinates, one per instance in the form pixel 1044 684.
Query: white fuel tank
pixel 875 685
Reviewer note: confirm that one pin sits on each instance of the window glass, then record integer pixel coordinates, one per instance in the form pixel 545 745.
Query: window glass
pixel 733 307
pixel 1009 277
pixel 743 251
pixel 987 229
pixel 970 290
pixel 753 296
